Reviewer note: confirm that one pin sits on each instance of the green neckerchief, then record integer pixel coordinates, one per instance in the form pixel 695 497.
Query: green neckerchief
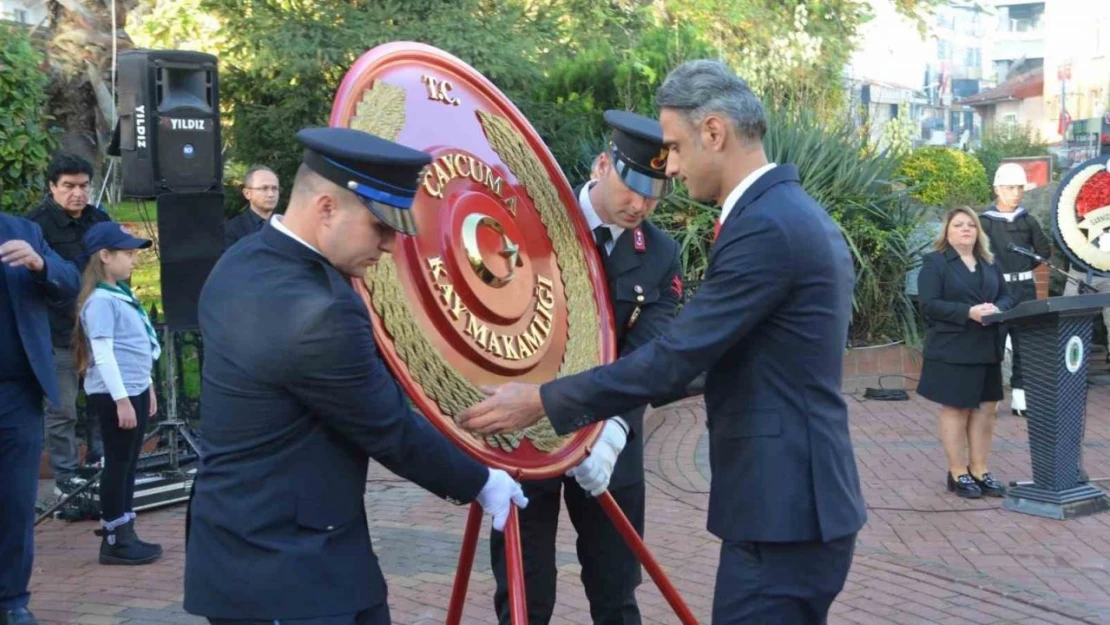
pixel 123 292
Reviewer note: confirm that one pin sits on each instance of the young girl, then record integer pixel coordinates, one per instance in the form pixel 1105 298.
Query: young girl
pixel 115 348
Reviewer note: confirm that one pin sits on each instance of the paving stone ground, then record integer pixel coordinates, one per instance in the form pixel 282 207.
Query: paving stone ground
pixel 924 556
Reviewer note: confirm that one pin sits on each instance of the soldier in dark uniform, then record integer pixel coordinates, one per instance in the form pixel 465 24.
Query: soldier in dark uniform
pixel 1008 223
pixel 296 403
pixel 644 273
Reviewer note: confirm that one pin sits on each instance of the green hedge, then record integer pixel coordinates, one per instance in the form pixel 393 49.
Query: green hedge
pixel 25 141
pixel 945 177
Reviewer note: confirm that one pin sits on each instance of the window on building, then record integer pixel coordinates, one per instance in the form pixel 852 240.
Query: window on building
pixel 19 15
pixel 1025 18
pixel 973 57
pixel 944 50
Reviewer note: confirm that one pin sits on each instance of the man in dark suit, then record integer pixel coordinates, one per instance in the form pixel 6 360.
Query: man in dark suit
pixel 262 191
pixel 769 324
pixel 297 403
pixel 644 272
pixel 32 278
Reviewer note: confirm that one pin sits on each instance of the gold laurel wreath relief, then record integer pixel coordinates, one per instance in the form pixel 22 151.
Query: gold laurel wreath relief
pixel 381 112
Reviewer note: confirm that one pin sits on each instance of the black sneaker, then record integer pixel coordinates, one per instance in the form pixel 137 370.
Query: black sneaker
pixel 964 486
pixel 123 547
pixel 989 486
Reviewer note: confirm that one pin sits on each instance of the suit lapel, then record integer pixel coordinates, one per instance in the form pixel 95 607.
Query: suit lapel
pixel 969 280
pixel 623 258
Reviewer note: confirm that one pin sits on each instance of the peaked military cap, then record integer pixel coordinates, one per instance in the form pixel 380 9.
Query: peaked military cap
pixel 639 156
pixel 383 174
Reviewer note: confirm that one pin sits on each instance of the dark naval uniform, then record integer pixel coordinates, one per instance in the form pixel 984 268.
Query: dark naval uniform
pixel 644 274
pixel 295 405
pixel 1021 229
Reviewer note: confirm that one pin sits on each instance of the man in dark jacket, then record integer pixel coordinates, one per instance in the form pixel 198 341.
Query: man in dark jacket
pixel 261 190
pixel 769 324
pixel 296 403
pixel 644 272
pixel 32 280
pixel 65 216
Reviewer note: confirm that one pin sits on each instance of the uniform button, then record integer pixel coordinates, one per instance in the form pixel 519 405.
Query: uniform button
pixel 638 289
pixel 331 527
pixel 639 298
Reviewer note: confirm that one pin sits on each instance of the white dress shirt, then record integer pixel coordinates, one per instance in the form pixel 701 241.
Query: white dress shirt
pixel 593 220
pixel 275 220
pixel 745 184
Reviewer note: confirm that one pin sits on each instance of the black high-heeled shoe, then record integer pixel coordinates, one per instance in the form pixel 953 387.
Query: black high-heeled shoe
pixel 964 486
pixel 988 485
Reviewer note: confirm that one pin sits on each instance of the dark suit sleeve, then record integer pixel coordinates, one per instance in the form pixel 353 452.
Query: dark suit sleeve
pixel 930 288
pixel 1041 245
pixel 746 282
pixel 58 279
pixel 337 373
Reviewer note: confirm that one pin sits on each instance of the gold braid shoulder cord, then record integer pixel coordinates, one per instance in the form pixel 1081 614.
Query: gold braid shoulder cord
pixel 381 112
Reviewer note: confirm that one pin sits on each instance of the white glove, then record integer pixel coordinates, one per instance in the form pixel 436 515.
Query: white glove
pixel 499 493
pixel 594 472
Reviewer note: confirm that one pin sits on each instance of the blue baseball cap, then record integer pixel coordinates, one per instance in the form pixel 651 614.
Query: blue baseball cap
pixel 110 235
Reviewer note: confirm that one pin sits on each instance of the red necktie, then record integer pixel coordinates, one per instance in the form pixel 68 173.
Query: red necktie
pixel 716 230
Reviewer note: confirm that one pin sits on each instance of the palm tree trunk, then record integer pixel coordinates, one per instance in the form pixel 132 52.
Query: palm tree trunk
pixel 80 61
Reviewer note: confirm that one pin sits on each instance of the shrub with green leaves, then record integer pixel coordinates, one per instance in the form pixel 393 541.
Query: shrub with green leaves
pixel 944 177
pixel 1009 141
pixel 25 141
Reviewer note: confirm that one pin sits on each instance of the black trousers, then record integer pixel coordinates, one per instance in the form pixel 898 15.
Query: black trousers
pixel 780 583
pixel 377 615
pixel 610 570
pixel 121 452
pixel 21 438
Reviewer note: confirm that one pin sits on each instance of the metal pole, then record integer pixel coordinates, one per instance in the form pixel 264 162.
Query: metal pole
pixel 466 563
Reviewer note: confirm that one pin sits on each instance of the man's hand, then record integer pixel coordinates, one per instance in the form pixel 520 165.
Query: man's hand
pixel 594 472
pixel 499 493
pixel 17 253
pixel 509 408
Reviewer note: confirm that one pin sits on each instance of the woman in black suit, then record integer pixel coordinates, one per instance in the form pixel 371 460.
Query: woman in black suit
pixel 959 284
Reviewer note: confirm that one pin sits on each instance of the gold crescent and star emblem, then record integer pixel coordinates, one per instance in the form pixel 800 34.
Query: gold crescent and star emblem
pixel 510 250
pixel 660 162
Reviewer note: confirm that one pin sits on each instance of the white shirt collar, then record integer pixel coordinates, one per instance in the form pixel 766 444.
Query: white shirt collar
pixel 275 221
pixel 745 184
pixel 1010 217
pixel 592 218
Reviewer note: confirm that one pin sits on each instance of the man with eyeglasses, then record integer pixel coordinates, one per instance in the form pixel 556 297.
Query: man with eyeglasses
pixel 260 188
pixel 644 274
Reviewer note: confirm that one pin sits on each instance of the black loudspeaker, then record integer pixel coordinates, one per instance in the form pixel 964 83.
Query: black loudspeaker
pixel 169 122
pixel 190 241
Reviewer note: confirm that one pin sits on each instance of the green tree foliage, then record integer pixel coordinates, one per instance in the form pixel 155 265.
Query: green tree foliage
pixel 1008 141
pixel 945 177
pixel 859 189
pixel 25 142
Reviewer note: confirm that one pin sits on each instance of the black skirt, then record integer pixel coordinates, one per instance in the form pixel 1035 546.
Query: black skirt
pixel 960 386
